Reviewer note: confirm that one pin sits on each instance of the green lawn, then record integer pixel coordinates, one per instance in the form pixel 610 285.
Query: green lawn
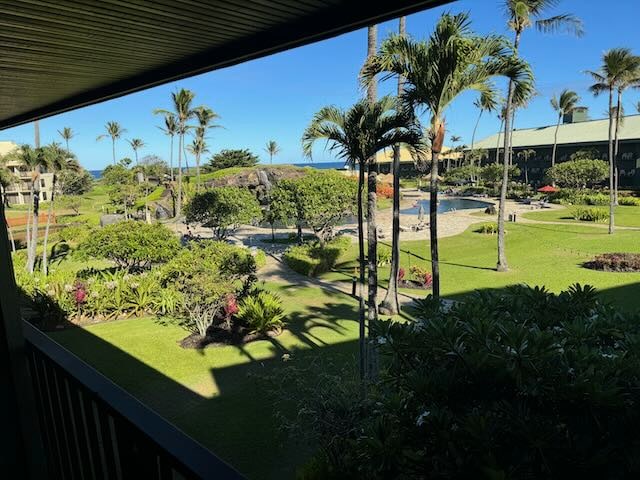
pixel 210 394
pixel 623 216
pixel 538 254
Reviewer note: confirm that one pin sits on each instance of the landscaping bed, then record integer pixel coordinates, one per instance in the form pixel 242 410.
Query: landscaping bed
pixel 615 262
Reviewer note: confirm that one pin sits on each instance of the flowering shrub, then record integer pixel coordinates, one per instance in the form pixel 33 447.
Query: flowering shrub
pixel 384 190
pixel 421 275
pixel 401 274
pixel 518 383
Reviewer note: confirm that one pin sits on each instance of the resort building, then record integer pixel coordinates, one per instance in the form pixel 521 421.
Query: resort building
pixel 449 158
pixel 576 133
pixel 18 192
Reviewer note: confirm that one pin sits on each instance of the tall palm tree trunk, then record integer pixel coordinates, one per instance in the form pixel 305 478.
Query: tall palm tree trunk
pixel 46 230
pixel 171 158
pixel 361 279
pixel 616 145
pixel 555 143
pixel 390 304
pixel 611 164
pixel 179 199
pixel 113 149
pixel 498 144
pixel 197 172
pixel 34 231
pixel 475 128
pixel 433 224
pixel 372 231
pixel 502 265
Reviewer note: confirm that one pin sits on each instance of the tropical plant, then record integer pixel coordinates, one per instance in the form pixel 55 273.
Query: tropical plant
pixel 357 135
pixel 170 129
pixel 197 148
pixel 223 209
pixel 183 111
pixel 262 311
pixel 523 14
pixel 67 134
pixel 563 105
pixel 136 144
pixel 232 158
pixel 312 259
pixel 452 61
pixel 487 102
pixel 525 155
pixel 76 181
pixel 132 245
pixel 115 132
pixel 589 214
pixel 579 173
pixel 272 149
pixel 205 116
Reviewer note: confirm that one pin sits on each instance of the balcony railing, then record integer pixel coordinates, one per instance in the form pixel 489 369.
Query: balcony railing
pixel 93 429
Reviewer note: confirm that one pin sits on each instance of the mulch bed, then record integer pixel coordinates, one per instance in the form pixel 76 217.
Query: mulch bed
pixel 413 284
pixel 220 336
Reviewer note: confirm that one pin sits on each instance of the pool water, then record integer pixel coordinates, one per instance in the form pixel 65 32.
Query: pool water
pixel 446 205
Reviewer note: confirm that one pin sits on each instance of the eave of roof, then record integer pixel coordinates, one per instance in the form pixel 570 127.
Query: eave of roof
pixel 62 54
pixel 592 131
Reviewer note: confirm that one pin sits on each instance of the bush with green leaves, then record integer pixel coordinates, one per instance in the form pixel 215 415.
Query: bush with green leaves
pixel 223 209
pixel 384 255
pixel 571 196
pixel 312 259
pixel 488 229
pixel 590 214
pixel 74 182
pixel 262 312
pixel 231 158
pixel 492 173
pixel 132 245
pixel 76 233
pixel 516 383
pixel 629 201
pixel 579 173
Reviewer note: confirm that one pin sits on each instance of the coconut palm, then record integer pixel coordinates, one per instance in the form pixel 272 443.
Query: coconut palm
pixel 454 139
pixel 171 129
pixel 523 14
pixel 272 149
pixel 67 134
pixel 57 160
pixel 183 111
pixel 136 144
pixel 486 103
pixel 115 132
pixel 7 178
pixel 565 104
pixel 525 155
pixel 619 65
pixel 452 61
pixel 205 117
pixel 357 135
pixel 390 304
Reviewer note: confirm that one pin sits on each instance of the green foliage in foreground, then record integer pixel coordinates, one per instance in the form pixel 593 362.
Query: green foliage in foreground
pixel 262 311
pixel 312 259
pixel 223 209
pixel 132 245
pixel 590 214
pixel 550 390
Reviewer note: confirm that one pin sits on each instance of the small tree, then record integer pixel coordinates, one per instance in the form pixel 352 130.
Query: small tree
pixel 492 173
pixel 223 209
pixel 579 173
pixel 231 158
pixel 75 182
pixel 133 245
pixel 71 202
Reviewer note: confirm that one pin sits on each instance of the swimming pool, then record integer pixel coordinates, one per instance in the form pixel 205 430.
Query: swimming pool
pixel 446 205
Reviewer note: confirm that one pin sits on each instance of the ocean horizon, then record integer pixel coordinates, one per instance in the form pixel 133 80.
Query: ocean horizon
pixel 97 174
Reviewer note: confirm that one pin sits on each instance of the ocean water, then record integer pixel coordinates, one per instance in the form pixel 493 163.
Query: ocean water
pixel 97 174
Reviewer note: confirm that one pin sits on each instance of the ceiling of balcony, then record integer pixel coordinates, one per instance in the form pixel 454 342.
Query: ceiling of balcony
pixel 56 55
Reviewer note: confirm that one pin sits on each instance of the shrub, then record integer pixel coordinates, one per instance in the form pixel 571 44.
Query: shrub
pixel 421 275
pixel 384 190
pixel 132 245
pixel 384 255
pixel 488 229
pixel 590 214
pixel 260 258
pixel 616 262
pixel 629 201
pixel 262 311
pixel 76 234
pixel 517 383
pixel 313 259
pixel 579 173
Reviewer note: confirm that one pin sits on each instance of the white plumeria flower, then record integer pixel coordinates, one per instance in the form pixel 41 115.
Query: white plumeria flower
pixel 382 340
pixel 422 418
pixel 286 357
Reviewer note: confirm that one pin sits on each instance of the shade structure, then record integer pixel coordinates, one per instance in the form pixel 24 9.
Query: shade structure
pixel 548 189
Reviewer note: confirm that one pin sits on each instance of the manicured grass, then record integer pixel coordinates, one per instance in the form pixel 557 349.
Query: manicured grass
pixel 538 254
pixel 623 216
pixel 213 394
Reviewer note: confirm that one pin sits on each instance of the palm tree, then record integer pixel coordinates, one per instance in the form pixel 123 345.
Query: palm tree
pixel 564 105
pixel 618 66
pixel 452 61
pixel 115 131
pixel 486 103
pixel 183 111
pixel 136 144
pixel 525 155
pixel 272 150
pixel 390 304
pixel 205 116
pixel 57 160
pixel 357 135
pixel 523 14
pixel 197 148
pixel 67 134
pixel 454 139
pixel 6 178
pixel 631 79
pixel 171 129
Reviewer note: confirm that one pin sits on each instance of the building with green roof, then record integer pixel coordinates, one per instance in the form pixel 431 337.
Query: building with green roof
pixel 576 133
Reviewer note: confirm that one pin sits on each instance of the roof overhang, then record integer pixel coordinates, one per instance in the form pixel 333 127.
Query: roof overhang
pixel 58 55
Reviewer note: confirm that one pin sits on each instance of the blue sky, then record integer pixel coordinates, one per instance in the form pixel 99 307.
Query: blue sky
pixel 275 97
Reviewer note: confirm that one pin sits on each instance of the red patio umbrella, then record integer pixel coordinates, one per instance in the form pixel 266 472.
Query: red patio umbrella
pixel 548 189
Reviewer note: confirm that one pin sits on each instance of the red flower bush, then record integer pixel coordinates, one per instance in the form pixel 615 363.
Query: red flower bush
pixel 384 190
pixel 80 294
